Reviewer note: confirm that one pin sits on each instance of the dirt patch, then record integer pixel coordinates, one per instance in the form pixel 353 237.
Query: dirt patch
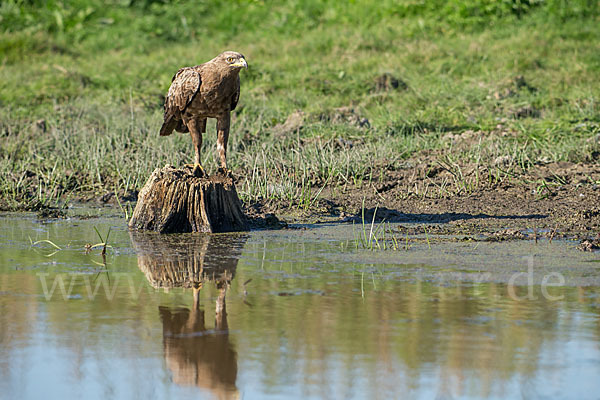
pixel 345 115
pixel 387 82
pixel 512 87
pixel 297 120
pixel 556 200
pixel 128 196
pixel 258 218
pixel 589 245
pixel 51 213
pixel 525 112
pixel 294 123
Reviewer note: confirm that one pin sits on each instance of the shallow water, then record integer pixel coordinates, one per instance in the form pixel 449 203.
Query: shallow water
pixel 290 314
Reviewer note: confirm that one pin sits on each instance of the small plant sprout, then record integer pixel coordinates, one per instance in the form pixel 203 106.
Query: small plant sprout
pixel 427 237
pixel 103 243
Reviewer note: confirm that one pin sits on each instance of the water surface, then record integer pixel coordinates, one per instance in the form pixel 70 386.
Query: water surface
pixel 289 314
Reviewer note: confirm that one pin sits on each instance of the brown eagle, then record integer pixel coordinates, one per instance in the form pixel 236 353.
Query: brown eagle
pixel 209 90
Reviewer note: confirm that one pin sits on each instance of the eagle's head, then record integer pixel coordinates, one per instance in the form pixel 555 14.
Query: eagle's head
pixel 232 59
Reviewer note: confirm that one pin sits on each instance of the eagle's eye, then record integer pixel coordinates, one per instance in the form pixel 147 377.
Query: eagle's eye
pixel 230 59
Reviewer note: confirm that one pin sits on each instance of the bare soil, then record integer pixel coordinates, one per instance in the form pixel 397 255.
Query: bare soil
pixel 523 207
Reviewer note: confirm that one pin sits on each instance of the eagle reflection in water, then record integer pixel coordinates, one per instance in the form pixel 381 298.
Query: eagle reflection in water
pixel 195 354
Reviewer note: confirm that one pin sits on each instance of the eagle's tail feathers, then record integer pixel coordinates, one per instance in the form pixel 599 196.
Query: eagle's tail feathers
pixel 168 126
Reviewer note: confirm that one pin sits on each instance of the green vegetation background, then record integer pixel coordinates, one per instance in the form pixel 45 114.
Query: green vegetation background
pixel 82 85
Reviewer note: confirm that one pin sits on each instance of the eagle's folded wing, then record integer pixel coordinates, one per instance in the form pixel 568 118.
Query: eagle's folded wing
pixel 184 87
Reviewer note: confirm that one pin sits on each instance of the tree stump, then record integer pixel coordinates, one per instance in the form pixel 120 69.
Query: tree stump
pixel 175 201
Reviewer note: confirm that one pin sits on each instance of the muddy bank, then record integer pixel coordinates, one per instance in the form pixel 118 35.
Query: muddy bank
pixel 525 207
pixel 554 200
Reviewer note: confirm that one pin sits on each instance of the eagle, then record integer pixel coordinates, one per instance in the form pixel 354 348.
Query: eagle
pixel 209 90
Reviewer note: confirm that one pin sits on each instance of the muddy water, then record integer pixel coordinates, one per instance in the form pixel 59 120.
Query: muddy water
pixel 290 314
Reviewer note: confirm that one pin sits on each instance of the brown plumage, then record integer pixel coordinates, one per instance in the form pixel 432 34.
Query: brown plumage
pixel 209 90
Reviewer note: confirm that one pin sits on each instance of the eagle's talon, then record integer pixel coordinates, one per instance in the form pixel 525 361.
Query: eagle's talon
pixel 197 170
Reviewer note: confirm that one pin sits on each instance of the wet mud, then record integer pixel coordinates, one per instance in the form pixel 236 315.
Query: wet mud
pixel 510 210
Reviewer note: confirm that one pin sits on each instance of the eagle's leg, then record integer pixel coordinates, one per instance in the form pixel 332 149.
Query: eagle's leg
pixel 196 128
pixel 222 138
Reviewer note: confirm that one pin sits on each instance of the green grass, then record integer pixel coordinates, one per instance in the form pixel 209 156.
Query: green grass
pixel 94 77
pixel 376 237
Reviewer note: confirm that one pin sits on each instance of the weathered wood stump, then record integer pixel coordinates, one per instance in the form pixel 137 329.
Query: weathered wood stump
pixel 175 201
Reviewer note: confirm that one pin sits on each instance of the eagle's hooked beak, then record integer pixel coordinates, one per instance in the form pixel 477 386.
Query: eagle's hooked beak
pixel 241 63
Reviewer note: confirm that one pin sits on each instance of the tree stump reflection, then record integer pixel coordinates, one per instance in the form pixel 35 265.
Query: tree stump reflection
pixel 195 354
